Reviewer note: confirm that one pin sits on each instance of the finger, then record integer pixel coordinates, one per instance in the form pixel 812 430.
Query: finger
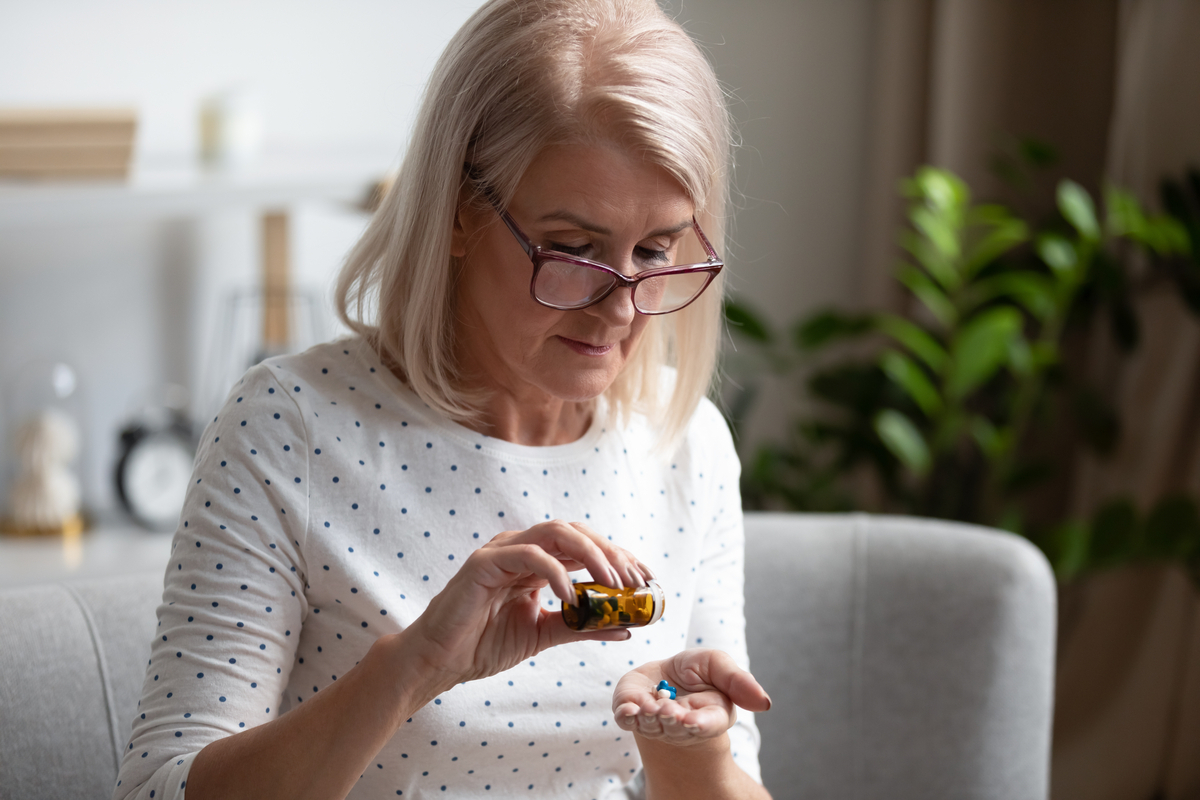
pixel 649 724
pixel 718 669
pixel 710 720
pixel 525 559
pixel 619 557
pixel 626 711
pixel 637 688
pixel 675 730
pixel 567 542
pixel 553 631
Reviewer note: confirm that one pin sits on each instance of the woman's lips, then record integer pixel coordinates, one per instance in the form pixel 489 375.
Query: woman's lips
pixel 585 349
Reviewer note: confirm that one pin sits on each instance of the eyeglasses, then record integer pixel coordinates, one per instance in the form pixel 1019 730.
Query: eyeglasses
pixel 569 283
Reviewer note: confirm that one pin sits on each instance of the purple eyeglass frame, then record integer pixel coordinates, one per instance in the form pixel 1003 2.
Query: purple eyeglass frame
pixel 539 256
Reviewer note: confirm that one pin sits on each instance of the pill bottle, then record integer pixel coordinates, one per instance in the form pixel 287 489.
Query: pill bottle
pixel 601 606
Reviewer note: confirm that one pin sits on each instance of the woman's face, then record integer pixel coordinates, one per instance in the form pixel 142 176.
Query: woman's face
pixel 595 201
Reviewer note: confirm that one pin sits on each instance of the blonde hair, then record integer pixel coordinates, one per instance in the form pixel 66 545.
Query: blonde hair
pixel 520 76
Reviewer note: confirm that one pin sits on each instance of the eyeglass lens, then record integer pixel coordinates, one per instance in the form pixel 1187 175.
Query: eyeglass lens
pixel 567 285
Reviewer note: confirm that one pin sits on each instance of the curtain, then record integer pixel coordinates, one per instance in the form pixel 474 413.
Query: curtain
pixel 1114 85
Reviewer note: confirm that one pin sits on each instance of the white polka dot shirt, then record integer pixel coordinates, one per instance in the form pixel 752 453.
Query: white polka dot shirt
pixel 328 505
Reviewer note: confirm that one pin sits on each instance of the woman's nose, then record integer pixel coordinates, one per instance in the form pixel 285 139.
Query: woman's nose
pixel 617 309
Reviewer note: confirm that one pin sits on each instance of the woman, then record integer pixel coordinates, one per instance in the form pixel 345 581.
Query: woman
pixel 373 539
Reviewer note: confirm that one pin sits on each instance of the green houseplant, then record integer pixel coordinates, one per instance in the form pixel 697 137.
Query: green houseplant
pixel 939 415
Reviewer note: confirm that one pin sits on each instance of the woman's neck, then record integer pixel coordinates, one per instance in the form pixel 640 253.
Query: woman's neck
pixel 530 418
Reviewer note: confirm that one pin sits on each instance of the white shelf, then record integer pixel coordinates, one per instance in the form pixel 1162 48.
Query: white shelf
pixel 102 552
pixel 174 188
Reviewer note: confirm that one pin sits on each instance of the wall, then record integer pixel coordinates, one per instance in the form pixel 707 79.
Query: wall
pixel 134 305
pixel 798 76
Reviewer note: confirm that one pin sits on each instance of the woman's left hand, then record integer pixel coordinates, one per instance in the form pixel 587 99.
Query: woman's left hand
pixel 709 686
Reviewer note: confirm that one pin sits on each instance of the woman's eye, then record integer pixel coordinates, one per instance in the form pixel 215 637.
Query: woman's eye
pixel 578 250
pixel 650 255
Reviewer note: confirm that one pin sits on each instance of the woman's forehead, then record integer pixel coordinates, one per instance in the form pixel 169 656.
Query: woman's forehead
pixel 588 185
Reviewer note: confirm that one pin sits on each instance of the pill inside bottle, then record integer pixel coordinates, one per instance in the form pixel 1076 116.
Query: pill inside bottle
pixel 601 606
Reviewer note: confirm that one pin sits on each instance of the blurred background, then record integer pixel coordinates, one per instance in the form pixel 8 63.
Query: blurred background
pixel 1007 337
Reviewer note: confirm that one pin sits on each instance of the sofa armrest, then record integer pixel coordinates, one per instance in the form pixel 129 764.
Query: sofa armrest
pixel 907 658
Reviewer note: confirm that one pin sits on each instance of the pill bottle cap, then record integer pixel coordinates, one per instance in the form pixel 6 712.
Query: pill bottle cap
pixel 660 601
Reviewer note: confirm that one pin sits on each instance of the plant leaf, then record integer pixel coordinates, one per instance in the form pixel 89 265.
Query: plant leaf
pixel 1032 291
pixel 913 380
pixel 826 326
pixel 930 295
pixel 979 350
pixel 938 229
pixel 1077 207
pixel 904 441
pixel 992 441
pixel 1020 357
pixel 1058 253
pixel 1070 545
pixel 939 265
pixel 747 322
pixel 1165 236
pixel 916 339
pixel 1125 216
pixel 941 188
pixel 1007 234
pixel 1043 354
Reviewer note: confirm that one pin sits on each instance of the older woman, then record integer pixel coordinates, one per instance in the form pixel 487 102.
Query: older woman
pixel 364 588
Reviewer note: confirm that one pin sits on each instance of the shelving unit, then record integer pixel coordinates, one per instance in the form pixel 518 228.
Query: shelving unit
pixel 179 188
pixel 167 190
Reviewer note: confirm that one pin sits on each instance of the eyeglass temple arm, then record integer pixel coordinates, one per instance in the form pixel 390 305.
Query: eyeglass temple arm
pixel 474 175
pixel 526 245
pixel 708 248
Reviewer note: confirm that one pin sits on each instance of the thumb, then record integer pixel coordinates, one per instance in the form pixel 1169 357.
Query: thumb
pixel 718 669
pixel 553 631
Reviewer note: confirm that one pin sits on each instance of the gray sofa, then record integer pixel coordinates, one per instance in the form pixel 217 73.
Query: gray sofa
pixel 906 658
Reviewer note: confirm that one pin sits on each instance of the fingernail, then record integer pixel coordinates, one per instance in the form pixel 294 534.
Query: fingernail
pixel 768 702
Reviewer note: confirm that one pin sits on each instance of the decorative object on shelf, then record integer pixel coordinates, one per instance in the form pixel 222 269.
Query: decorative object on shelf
pixel 157 450
pixel 45 497
pixel 230 130
pixel 66 143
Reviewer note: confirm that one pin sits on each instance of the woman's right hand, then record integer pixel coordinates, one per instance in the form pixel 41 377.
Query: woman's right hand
pixel 489 617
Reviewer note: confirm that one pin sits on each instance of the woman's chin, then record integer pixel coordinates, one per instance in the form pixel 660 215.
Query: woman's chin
pixel 581 385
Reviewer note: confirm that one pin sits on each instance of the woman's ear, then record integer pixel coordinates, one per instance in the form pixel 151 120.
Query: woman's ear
pixel 467 220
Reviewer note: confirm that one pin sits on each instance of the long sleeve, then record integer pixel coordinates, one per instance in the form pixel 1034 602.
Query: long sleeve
pixel 718 618
pixel 233 598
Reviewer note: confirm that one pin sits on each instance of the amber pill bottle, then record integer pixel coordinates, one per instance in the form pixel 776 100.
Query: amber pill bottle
pixel 601 606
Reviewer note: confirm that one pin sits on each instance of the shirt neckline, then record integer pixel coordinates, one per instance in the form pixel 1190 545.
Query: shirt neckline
pixel 410 403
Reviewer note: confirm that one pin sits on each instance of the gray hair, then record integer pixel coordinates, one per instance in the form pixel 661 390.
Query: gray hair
pixel 520 76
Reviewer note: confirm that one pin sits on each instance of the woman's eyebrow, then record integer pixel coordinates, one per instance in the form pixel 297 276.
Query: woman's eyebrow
pixel 582 224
